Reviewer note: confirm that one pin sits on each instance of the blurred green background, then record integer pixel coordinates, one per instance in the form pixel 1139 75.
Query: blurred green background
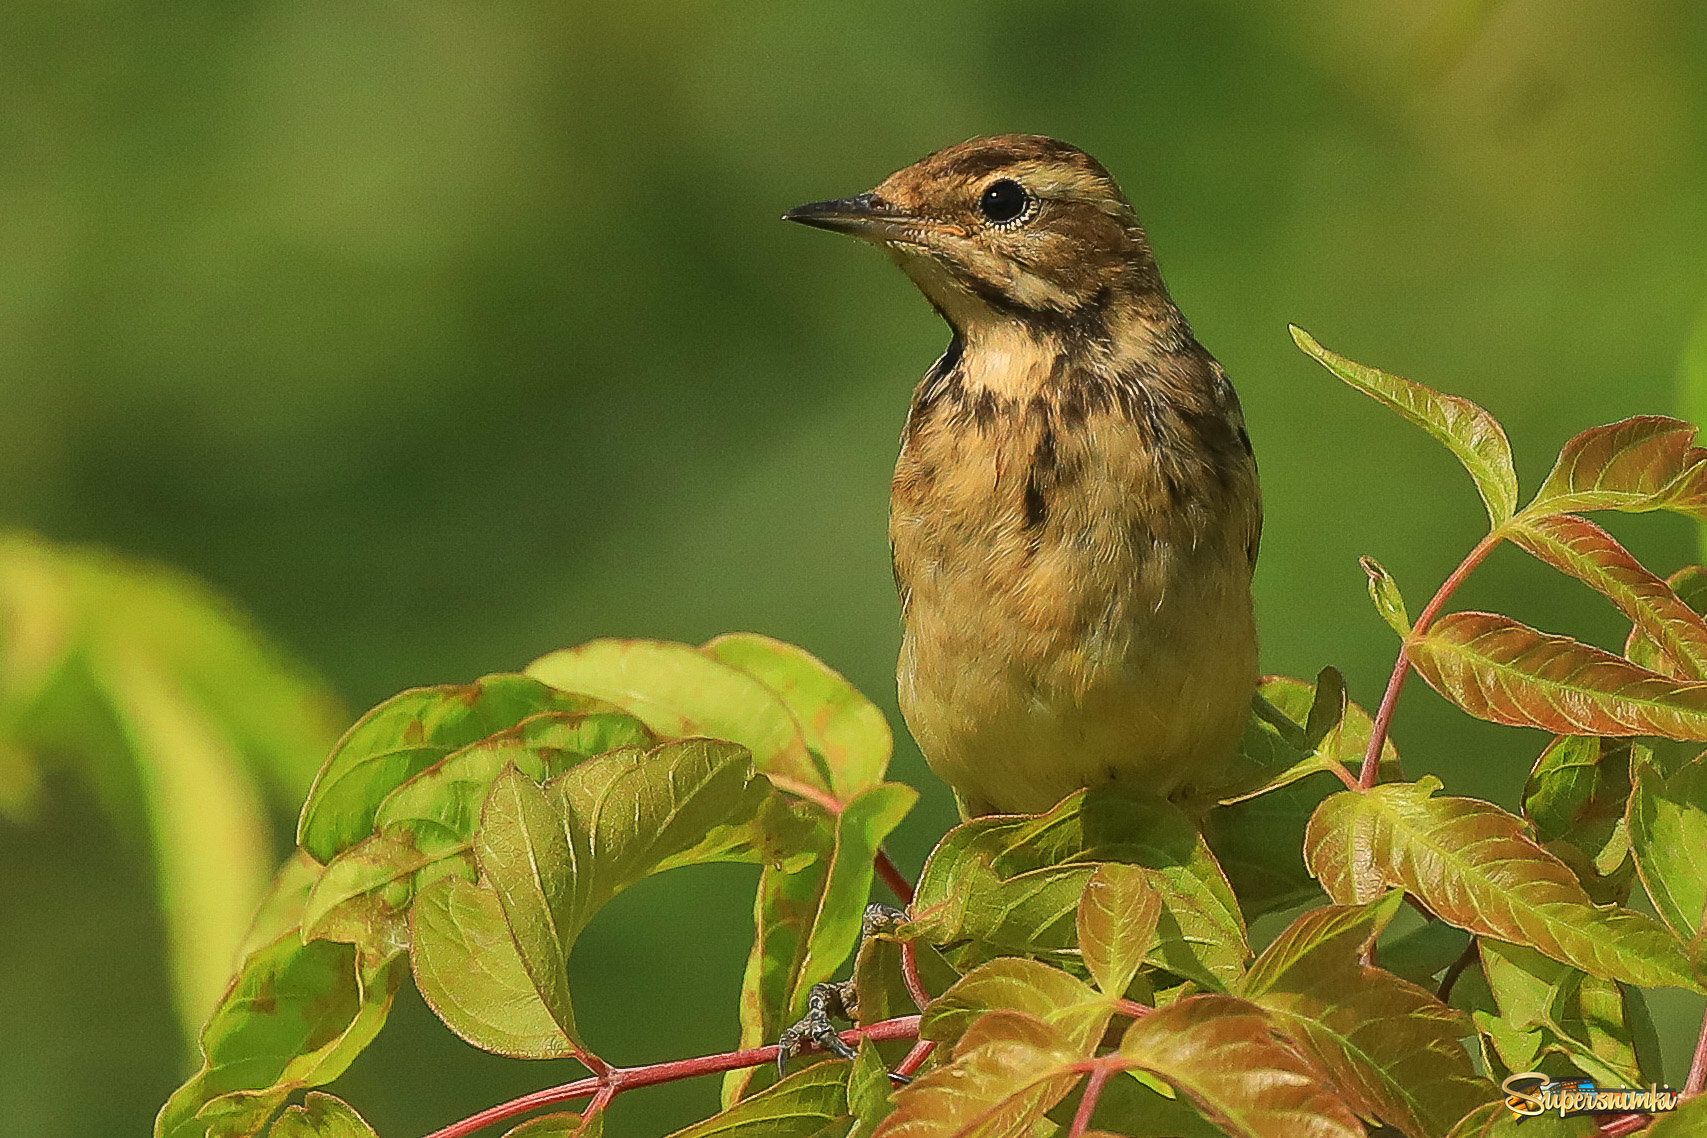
pixel 439 335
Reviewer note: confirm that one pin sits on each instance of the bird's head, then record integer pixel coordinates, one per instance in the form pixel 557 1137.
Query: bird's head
pixel 1014 226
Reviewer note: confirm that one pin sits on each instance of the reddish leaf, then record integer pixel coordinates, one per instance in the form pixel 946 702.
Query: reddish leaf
pixel 1582 549
pixel 1472 864
pixel 1391 1047
pixel 1640 464
pixel 1117 924
pixel 1690 585
pixel 1496 668
pixel 1008 1070
pixel 1222 1053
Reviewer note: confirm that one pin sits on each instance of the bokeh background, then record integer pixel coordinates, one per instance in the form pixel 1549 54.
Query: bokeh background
pixel 438 335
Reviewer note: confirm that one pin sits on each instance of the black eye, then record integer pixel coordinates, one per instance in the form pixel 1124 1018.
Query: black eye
pixel 1004 201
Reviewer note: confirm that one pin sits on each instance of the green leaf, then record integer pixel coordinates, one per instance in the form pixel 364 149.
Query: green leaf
pixel 1258 837
pixel 555 855
pixel 1221 1053
pixel 1579 1016
pixel 1384 591
pixel 1012 886
pixel 295 1016
pixel 840 725
pixel 1117 925
pixel 1391 1048
pixel 1668 833
pixel 1579 548
pixel 871 1093
pixel 402 737
pixel 680 691
pixel 1497 669
pixel 796 1107
pixel 1425 952
pixel 1640 464
pixel 1472 865
pixel 180 717
pixel 430 820
pixel 1494 1121
pixel 470 973
pixel 563 1124
pixel 1009 1069
pixel 1687 1121
pixel 1576 798
pixel 1076 1012
pixel 807 918
pixel 1473 436
pixel 320 1116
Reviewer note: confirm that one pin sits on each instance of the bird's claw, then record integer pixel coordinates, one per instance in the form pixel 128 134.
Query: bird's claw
pixel 815 1028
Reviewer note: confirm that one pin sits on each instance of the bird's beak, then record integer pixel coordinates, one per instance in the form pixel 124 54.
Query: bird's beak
pixel 863 215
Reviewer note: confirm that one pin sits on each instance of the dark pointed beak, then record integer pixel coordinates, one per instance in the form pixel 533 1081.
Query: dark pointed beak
pixel 864 215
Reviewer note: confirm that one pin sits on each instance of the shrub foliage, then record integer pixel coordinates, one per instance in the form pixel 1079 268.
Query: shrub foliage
pixel 1088 970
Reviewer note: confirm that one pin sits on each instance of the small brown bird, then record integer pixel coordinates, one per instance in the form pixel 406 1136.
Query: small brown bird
pixel 1075 513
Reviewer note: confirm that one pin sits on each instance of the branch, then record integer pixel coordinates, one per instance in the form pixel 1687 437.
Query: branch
pixel 1402 666
pixel 618 1079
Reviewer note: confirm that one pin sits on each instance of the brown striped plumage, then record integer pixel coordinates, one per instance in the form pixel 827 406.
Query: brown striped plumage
pixel 1075 512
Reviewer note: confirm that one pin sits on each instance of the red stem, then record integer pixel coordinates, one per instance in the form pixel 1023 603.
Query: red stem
pixel 915 1058
pixel 894 878
pixel 1697 1080
pixel 1088 1104
pixel 1621 1124
pixel 910 974
pixel 1133 1008
pixel 1402 666
pixel 619 1079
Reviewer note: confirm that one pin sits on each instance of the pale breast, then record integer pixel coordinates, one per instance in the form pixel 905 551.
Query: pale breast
pixel 1075 607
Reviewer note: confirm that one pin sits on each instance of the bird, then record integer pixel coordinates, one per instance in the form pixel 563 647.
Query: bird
pixel 1075 512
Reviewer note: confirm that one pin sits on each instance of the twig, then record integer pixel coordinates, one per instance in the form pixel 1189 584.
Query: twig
pixel 1402 666
pixel 618 1079
pixel 1455 970
pixel 1088 1103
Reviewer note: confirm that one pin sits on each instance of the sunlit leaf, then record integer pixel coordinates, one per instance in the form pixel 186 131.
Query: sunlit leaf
pixel 1473 436
pixel 1472 865
pixel 1222 1054
pixel 1495 668
pixel 555 854
pixel 295 1016
pixel 1012 885
pixel 1384 591
pixel 363 895
pixel 470 973
pixel 1391 1048
pixel 680 691
pixel 1690 586
pixel 1668 834
pixel 1008 1069
pixel 402 737
pixel 796 1107
pixel 1117 924
pixel 871 1093
pixel 839 724
pixel 1012 983
pixel 1578 547
pixel 320 1116
pixel 807 917
pixel 1639 464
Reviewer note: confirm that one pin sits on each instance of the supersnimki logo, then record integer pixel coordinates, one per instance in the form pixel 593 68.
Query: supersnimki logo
pixel 1530 1093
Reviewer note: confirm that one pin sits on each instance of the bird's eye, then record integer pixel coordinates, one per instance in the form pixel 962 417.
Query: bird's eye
pixel 1004 202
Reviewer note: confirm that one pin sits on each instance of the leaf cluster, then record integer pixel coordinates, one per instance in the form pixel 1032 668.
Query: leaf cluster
pixel 1088 970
